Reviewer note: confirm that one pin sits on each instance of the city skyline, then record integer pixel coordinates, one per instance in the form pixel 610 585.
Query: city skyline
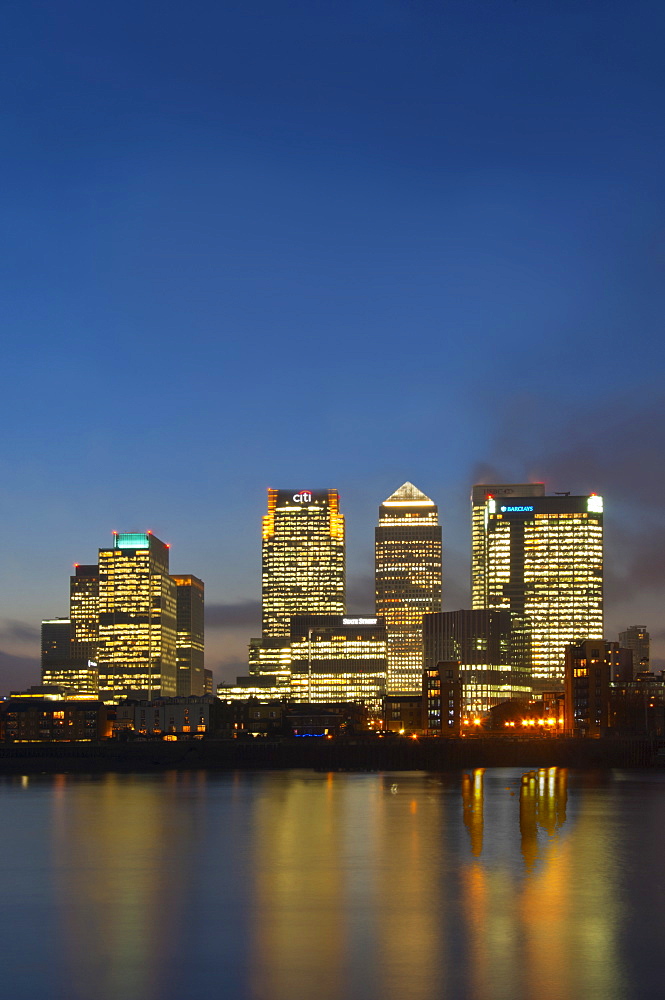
pixel 262 264
pixel 360 601
pixel 354 246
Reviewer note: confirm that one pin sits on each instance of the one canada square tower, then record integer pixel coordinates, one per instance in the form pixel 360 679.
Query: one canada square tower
pixel 407 580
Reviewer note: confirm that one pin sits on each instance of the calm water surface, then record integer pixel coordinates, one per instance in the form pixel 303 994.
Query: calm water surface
pixel 300 886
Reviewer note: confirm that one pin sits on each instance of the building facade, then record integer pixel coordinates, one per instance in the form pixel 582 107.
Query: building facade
pixel 637 639
pixel 137 618
pixel 189 639
pixel 637 706
pixel 180 716
pixel 33 720
pixel 56 640
pixel 84 610
pixel 543 562
pixel 479 496
pixel 481 642
pixel 65 662
pixel 442 699
pixel 80 678
pixel 272 656
pixel 338 659
pixel 587 687
pixel 303 557
pixel 403 713
pixel 407 580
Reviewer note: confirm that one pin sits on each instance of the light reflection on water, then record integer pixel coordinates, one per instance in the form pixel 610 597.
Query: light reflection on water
pixel 297 886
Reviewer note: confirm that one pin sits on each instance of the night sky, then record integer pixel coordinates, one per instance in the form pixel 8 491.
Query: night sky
pixel 325 245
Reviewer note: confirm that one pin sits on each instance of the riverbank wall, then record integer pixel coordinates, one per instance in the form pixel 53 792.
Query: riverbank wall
pixel 339 754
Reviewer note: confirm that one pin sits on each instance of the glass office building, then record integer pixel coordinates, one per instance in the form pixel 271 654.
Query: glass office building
pixel 338 659
pixel 543 562
pixel 479 494
pixel 137 618
pixel 190 599
pixel 303 557
pixel 407 580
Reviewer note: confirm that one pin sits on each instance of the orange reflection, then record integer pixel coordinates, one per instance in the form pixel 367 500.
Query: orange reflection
pixel 339 885
pixel 122 866
pixel 472 808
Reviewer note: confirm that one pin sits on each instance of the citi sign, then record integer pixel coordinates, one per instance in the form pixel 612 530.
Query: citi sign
pixel 304 497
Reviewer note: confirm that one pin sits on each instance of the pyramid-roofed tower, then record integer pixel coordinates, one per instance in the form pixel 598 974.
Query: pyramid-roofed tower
pixel 406 492
pixel 407 580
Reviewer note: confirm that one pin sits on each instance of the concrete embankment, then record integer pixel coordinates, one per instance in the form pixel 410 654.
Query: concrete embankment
pixel 339 754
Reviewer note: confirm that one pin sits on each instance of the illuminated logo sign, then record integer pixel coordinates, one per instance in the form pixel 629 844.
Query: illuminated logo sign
pixel 304 497
pixel 517 510
pixel 359 621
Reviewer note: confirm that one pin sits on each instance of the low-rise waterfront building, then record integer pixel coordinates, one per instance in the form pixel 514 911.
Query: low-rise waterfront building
pixel 179 716
pixel 587 687
pixel 403 713
pixel 48 720
pixel 442 699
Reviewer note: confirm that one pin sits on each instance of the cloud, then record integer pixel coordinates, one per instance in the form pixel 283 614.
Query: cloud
pixel 18 672
pixel 12 630
pixel 242 613
pixel 613 448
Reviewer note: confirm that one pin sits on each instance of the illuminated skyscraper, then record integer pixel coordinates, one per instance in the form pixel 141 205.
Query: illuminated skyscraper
pixel 137 618
pixel 189 634
pixel 479 495
pixel 56 640
pixel 65 662
pixel 407 580
pixel 303 557
pixel 543 562
pixel 84 610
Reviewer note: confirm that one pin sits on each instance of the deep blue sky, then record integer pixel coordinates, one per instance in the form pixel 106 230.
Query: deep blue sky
pixel 321 244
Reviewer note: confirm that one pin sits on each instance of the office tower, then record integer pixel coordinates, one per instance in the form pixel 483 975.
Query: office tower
pixel 189 635
pixel 407 580
pixel 80 678
pixel 479 495
pixel 336 658
pixel 482 643
pixel 56 639
pixel 637 639
pixel 271 656
pixel 137 618
pixel 303 557
pixel 587 687
pixel 543 562
pixel 84 611
pixel 66 663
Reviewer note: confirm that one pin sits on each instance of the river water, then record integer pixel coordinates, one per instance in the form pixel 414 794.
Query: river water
pixel 302 886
